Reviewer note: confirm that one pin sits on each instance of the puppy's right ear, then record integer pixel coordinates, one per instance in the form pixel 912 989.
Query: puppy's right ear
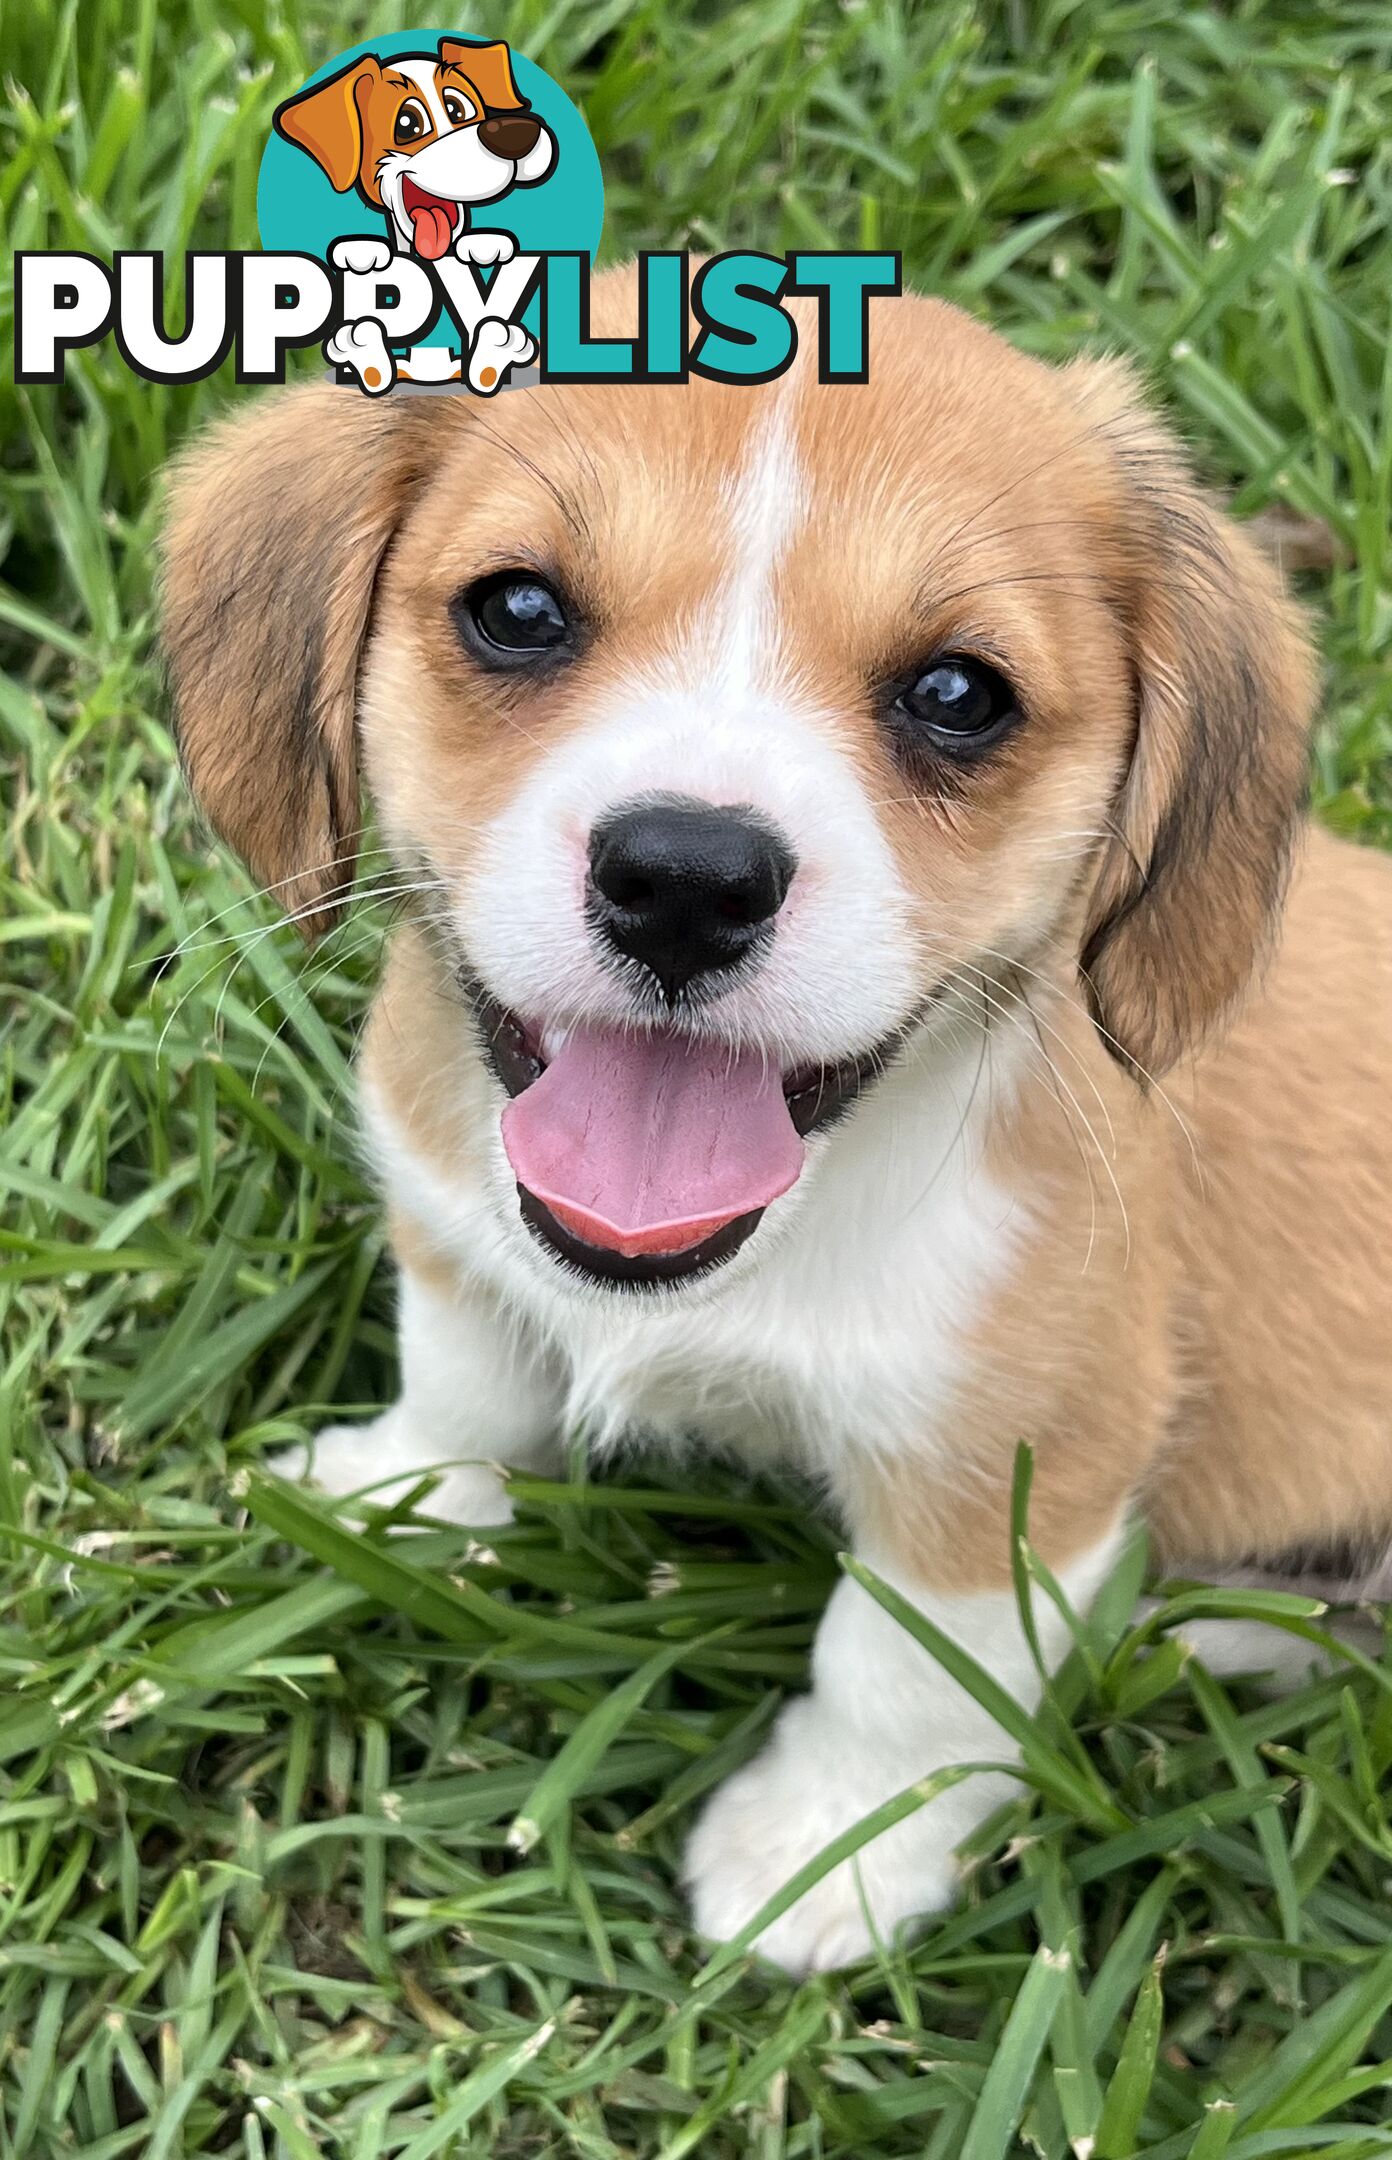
pixel 278 524
pixel 326 120
pixel 1187 901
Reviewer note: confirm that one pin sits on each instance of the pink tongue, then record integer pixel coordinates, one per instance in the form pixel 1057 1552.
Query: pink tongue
pixel 432 228
pixel 651 1143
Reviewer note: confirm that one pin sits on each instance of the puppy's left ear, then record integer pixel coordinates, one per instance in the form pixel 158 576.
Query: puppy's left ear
pixel 1188 895
pixel 489 69
pixel 278 524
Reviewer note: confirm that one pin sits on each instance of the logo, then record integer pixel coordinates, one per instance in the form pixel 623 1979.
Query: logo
pixel 418 167
pixel 429 206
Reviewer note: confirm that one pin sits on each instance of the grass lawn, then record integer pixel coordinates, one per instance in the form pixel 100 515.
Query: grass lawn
pixel 316 1843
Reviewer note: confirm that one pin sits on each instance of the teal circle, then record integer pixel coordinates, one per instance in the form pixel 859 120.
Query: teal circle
pixel 298 211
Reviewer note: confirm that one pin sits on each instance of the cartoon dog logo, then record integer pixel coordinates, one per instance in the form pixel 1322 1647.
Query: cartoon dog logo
pixel 425 139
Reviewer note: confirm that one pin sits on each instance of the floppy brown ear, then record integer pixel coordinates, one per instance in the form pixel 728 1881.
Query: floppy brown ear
pixel 489 69
pixel 327 121
pixel 278 523
pixel 1188 895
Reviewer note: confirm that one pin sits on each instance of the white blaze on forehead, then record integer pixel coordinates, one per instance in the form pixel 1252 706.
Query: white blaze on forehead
pixel 768 506
pixel 725 713
pixel 421 72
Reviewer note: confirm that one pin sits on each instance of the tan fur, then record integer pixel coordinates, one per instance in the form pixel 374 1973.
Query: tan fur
pixel 418 1255
pixel 417 1034
pixel 1285 1436
pixel 1198 1315
pixel 1068 1357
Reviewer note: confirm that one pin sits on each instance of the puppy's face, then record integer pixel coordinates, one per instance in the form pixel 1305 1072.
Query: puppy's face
pixel 741 733
pixel 423 137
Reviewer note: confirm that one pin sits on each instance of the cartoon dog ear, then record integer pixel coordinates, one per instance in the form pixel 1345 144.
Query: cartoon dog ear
pixel 1188 895
pixel 489 69
pixel 327 121
pixel 278 523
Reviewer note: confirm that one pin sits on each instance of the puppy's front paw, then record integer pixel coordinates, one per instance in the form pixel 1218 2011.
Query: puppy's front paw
pixel 389 1458
pixel 485 247
pixel 772 1817
pixel 498 346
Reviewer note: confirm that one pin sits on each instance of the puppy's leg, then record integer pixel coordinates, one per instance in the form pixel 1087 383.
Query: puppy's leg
pixel 881 1715
pixel 1275 1661
pixel 473 1397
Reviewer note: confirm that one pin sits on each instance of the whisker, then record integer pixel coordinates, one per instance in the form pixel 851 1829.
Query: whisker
pixel 1119 1046
pixel 304 990
pixel 571 433
pixel 983 1059
pixel 1038 1050
pixel 358 894
pixel 262 892
pixel 1101 1151
pixel 1043 524
pixel 249 942
pixel 569 509
pixel 1032 472
pixel 1089 591
pixel 1058 1036
pixel 933 946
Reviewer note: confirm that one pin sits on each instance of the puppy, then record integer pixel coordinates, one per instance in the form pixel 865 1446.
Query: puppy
pixel 870 996
pixel 424 138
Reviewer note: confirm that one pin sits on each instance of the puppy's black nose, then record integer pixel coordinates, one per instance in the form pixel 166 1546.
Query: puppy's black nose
pixel 686 888
pixel 509 135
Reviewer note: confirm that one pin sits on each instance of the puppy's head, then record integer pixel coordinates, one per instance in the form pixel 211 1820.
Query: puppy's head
pixel 423 136
pixel 740 732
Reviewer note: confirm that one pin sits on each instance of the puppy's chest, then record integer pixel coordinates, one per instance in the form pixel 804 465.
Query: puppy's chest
pixel 855 1327
pixel 858 1331
pixel 751 1376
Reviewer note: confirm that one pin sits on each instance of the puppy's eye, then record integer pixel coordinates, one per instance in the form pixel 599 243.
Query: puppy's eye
pixel 457 109
pixel 412 122
pixel 958 702
pixel 511 617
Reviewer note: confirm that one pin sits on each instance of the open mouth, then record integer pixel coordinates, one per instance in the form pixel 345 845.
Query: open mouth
pixel 648 1157
pixel 433 219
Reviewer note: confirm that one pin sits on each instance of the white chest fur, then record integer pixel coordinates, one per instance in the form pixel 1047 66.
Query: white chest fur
pixel 842 1325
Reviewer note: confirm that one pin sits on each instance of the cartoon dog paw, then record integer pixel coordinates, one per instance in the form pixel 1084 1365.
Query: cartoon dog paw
pixel 485 247
pixel 363 256
pixel 362 347
pixel 497 347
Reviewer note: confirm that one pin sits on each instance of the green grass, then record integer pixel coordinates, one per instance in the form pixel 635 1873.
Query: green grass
pixel 258 1777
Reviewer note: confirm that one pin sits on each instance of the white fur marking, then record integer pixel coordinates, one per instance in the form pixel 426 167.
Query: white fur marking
pixel 719 717
pixel 474 1398
pixel 881 1715
pixel 837 1332
pixel 421 72
pixel 768 505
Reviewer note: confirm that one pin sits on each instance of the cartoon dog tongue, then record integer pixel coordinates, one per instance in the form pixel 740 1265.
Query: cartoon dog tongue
pixel 431 226
pixel 432 219
pixel 651 1143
